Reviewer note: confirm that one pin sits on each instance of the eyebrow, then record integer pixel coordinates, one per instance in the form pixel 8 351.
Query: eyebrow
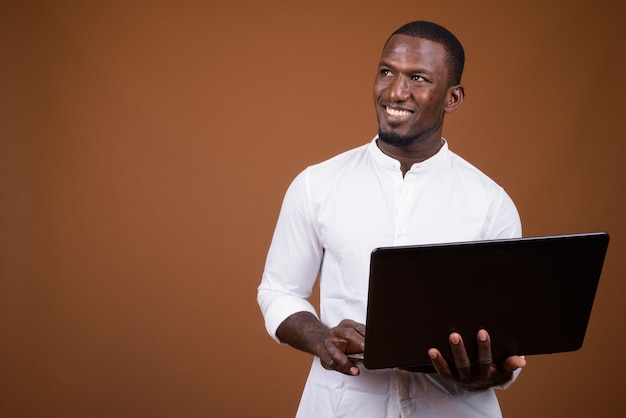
pixel 418 70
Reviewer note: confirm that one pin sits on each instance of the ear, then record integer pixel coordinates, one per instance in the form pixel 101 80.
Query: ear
pixel 454 98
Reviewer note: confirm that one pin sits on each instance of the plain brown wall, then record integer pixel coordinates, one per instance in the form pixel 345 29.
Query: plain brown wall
pixel 145 148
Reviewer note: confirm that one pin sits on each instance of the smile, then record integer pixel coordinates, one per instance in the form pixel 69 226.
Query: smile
pixel 397 112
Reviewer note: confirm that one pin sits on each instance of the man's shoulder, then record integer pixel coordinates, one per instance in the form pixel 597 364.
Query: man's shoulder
pixel 340 161
pixel 324 173
pixel 343 156
pixel 469 172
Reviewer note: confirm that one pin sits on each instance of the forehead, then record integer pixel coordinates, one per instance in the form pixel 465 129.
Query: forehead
pixel 409 52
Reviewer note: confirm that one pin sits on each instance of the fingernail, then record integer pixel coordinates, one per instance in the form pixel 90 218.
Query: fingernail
pixel 482 336
pixel 354 371
pixel 455 339
pixel 433 355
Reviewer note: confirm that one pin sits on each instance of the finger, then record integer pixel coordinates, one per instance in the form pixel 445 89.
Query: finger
pixel 353 333
pixel 356 341
pixel 360 328
pixel 485 358
pixel 439 363
pixel 513 363
pixel 348 368
pixel 461 360
pixel 345 367
pixel 334 358
pixel 349 323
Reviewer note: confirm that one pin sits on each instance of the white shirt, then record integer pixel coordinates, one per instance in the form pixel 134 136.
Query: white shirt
pixel 333 215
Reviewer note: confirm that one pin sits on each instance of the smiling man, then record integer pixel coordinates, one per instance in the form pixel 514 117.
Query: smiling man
pixel 404 187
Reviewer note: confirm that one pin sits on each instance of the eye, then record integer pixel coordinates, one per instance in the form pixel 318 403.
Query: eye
pixel 417 77
pixel 385 72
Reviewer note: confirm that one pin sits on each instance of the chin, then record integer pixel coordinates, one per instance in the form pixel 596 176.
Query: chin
pixel 396 139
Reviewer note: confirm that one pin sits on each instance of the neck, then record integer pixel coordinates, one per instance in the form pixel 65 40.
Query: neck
pixel 412 153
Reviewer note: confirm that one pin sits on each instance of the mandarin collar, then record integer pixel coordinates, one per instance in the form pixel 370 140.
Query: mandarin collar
pixel 391 163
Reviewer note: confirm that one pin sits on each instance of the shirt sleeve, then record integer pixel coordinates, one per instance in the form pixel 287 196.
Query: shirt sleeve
pixel 510 382
pixel 504 219
pixel 293 260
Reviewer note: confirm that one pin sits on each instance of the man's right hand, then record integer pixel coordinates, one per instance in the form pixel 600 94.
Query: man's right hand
pixel 346 338
pixel 305 332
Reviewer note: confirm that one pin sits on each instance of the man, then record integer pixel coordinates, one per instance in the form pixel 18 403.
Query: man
pixel 405 187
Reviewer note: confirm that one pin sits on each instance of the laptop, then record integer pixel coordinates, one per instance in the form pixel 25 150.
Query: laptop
pixel 533 295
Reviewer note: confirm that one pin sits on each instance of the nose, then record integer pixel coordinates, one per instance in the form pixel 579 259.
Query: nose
pixel 399 90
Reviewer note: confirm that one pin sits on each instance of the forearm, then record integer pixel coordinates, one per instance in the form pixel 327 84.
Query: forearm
pixel 303 331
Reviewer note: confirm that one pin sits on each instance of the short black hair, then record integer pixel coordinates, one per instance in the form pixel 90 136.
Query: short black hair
pixel 437 33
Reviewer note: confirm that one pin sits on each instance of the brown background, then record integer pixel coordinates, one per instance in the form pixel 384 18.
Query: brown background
pixel 145 148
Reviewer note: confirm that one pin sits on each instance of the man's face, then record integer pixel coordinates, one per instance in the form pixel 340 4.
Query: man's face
pixel 410 90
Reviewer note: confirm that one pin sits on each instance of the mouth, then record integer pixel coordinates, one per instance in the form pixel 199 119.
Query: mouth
pixel 397 112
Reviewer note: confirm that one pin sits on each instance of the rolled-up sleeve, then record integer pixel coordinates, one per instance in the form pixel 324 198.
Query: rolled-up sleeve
pixel 293 260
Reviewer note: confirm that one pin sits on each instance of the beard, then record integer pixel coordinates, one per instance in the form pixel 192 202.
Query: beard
pixel 398 140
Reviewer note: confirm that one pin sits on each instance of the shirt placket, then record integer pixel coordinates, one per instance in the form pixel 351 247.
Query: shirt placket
pixel 403 192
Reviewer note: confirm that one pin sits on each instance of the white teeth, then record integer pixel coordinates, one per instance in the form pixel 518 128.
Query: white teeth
pixel 397 112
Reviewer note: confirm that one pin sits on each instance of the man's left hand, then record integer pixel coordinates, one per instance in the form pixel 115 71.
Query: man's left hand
pixel 483 374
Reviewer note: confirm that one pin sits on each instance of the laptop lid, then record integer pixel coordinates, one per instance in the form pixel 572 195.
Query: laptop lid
pixel 533 296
